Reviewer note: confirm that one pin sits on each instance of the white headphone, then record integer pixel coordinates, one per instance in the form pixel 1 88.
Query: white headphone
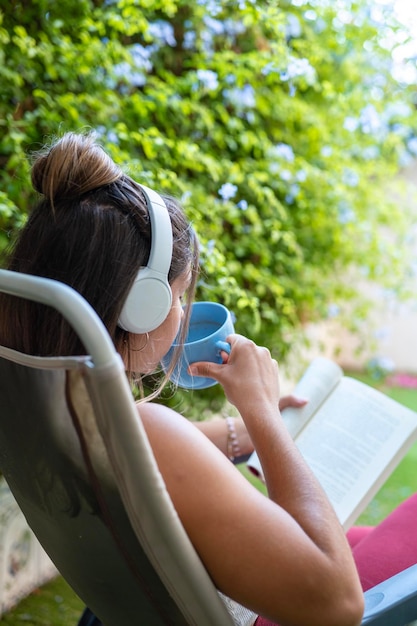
pixel 149 300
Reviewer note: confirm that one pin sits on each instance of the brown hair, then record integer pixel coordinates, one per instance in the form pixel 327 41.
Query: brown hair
pixel 90 230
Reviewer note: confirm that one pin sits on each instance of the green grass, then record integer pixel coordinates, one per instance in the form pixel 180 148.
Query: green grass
pixel 56 604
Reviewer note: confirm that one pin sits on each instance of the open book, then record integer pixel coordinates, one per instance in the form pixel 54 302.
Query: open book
pixel 351 435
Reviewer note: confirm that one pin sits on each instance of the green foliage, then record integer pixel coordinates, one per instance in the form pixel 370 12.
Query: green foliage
pixel 277 124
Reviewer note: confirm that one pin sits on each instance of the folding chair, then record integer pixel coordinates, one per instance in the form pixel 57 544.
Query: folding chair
pixel 77 460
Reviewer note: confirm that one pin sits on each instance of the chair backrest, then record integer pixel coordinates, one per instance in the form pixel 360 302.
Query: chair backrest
pixel 79 464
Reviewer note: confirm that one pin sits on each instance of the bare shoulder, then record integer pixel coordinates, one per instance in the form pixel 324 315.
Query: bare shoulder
pixel 161 421
pixel 199 479
pixel 176 442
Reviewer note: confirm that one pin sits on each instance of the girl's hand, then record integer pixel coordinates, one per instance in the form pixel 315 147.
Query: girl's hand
pixel 291 401
pixel 249 375
pixel 285 401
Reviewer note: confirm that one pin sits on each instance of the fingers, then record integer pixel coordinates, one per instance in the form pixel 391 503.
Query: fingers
pixel 225 356
pixel 247 367
pixel 293 401
pixel 241 344
pixel 204 368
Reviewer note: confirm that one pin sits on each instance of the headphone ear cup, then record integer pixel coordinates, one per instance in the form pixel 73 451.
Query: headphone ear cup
pixel 150 298
pixel 148 303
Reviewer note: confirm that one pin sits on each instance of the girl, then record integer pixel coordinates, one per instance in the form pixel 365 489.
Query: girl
pixel 91 229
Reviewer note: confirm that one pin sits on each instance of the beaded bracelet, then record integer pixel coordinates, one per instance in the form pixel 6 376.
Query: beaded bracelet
pixel 233 448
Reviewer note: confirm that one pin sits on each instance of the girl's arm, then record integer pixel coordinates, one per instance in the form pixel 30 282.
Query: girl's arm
pixel 217 430
pixel 286 556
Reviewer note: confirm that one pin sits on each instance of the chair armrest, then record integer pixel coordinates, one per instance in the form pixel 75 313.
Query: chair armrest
pixel 393 601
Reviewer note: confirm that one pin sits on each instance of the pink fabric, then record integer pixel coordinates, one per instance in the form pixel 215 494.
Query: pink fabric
pixel 382 551
pixel 261 621
pixel 388 548
pixel 357 533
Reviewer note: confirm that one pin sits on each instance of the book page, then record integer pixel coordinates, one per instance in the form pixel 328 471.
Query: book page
pixel 317 382
pixel 354 442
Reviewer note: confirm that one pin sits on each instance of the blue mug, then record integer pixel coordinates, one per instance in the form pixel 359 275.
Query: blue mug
pixel 210 325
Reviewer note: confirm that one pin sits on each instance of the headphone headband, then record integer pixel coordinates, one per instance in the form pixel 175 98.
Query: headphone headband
pixel 149 300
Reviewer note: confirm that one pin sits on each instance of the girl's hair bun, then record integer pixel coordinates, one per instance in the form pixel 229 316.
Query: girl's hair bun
pixel 71 167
